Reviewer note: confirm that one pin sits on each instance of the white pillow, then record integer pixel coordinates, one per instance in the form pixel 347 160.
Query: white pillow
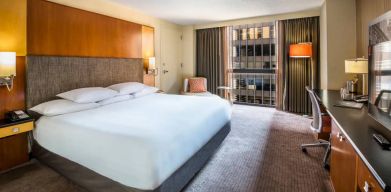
pixel 127 88
pixel 61 106
pixel 146 91
pixel 116 99
pixel 88 95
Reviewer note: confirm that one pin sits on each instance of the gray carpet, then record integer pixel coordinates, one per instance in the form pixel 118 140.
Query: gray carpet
pixel 260 154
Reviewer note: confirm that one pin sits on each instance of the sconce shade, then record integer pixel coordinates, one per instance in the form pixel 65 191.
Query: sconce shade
pixel 356 66
pixel 7 64
pixel 301 50
pixel 151 63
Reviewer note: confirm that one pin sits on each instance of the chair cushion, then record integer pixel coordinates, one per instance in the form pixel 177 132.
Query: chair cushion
pixel 197 85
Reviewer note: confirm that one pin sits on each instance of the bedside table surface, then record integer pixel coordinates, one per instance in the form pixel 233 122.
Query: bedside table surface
pixel 5 123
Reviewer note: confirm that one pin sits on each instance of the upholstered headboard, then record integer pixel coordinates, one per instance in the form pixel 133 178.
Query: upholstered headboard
pixel 48 76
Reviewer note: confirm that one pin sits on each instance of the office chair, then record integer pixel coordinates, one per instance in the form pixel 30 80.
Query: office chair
pixel 317 126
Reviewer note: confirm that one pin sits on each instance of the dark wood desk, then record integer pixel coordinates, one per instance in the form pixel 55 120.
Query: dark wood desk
pixel 356 127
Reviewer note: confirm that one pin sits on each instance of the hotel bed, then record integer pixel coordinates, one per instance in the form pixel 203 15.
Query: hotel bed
pixel 157 142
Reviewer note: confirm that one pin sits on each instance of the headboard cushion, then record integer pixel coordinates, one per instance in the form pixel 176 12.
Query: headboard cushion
pixel 48 76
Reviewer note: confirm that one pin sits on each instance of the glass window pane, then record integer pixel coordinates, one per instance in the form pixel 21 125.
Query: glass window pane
pixel 254 48
pixel 244 34
pixel 266 32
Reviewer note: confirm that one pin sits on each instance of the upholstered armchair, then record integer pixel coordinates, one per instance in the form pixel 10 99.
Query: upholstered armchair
pixel 195 86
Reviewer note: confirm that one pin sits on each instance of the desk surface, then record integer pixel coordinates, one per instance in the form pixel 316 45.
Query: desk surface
pixel 356 127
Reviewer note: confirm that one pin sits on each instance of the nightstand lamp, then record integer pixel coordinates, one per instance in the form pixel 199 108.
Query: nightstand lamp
pixel 7 69
pixel 358 66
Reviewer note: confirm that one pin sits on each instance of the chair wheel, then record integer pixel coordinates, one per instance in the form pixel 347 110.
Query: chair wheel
pixel 304 150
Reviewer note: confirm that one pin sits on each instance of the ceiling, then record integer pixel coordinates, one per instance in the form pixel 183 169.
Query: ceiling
pixel 188 12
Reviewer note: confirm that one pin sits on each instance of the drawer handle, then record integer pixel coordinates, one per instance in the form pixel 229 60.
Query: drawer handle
pixel 15 130
pixel 340 136
pixel 367 187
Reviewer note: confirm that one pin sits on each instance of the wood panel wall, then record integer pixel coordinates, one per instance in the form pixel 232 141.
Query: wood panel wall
pixel 55 29
pixel 15 99
pixel 148 50
pixel 366 11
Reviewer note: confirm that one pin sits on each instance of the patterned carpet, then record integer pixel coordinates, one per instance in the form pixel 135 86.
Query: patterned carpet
pixel 260 154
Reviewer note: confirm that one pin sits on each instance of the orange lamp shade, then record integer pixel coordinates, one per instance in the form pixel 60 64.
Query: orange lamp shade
pixel 301 50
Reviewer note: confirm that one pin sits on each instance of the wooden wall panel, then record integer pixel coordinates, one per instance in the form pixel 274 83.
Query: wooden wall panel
pixel 367 10
pixel 148 50
pixel 148 47
pixel 55 29
pixel 15 99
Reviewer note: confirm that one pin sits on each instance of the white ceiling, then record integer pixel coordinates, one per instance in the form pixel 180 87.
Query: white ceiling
pixel 187 12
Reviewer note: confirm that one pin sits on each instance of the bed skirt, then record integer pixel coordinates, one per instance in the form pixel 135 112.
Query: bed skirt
pixel 93 181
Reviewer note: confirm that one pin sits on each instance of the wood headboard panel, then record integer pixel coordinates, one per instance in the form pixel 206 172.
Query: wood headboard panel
pixel 47 76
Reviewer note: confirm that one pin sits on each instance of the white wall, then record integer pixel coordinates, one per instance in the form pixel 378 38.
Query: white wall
pixel 189 51
pixel 189 36
pixel 323 47
pixel 338 36
pixel 112 9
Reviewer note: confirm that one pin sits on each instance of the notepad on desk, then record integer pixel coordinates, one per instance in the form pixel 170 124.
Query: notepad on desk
pixel 349 104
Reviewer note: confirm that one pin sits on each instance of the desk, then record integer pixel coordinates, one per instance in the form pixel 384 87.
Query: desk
pixel 357 127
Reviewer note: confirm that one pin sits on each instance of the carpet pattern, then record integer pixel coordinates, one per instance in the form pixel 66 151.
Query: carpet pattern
pixel 261 153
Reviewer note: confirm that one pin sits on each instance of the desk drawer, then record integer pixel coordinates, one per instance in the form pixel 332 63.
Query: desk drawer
pixel 16 129
pixel 365 180
pixel 343 159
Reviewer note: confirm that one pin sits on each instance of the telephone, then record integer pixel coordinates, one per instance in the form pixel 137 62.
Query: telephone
pixel 17 115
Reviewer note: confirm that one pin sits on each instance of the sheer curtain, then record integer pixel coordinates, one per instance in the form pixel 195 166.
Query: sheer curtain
pixel 212 56
pixel 294 74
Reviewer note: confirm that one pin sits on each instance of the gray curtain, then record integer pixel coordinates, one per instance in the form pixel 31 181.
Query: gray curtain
pixel 211 56
pixel 296 73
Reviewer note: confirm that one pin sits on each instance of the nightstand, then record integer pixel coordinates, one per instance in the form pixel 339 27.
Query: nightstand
pixel 14 143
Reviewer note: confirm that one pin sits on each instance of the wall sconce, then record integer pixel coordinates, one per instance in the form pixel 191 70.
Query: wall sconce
pixel 152 66
pixel 7 69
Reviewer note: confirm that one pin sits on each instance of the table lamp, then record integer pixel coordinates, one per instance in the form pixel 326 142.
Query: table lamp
pixel 358 66
pixel 7 69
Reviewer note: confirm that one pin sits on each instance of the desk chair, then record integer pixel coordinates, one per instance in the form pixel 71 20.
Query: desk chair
pixel 317 126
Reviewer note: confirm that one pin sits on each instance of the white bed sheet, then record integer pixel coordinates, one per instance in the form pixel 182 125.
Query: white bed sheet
pixel 139 142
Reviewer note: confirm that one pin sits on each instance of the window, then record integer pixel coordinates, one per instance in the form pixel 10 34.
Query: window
pixel 253 63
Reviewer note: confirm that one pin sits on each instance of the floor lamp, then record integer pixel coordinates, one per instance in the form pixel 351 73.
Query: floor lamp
pixel 304 51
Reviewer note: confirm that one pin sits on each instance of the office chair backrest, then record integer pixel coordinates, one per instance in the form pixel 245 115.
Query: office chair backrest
pixel 316 113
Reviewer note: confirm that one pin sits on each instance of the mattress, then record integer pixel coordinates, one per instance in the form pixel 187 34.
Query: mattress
pixel 138 143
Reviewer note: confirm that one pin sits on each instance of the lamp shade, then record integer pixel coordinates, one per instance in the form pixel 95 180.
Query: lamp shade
pixel 151 63
pixel 357 66
pixel 301 50
pixel 7 64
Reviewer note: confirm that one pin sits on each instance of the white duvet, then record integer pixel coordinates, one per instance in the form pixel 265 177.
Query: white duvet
pixel 139 142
